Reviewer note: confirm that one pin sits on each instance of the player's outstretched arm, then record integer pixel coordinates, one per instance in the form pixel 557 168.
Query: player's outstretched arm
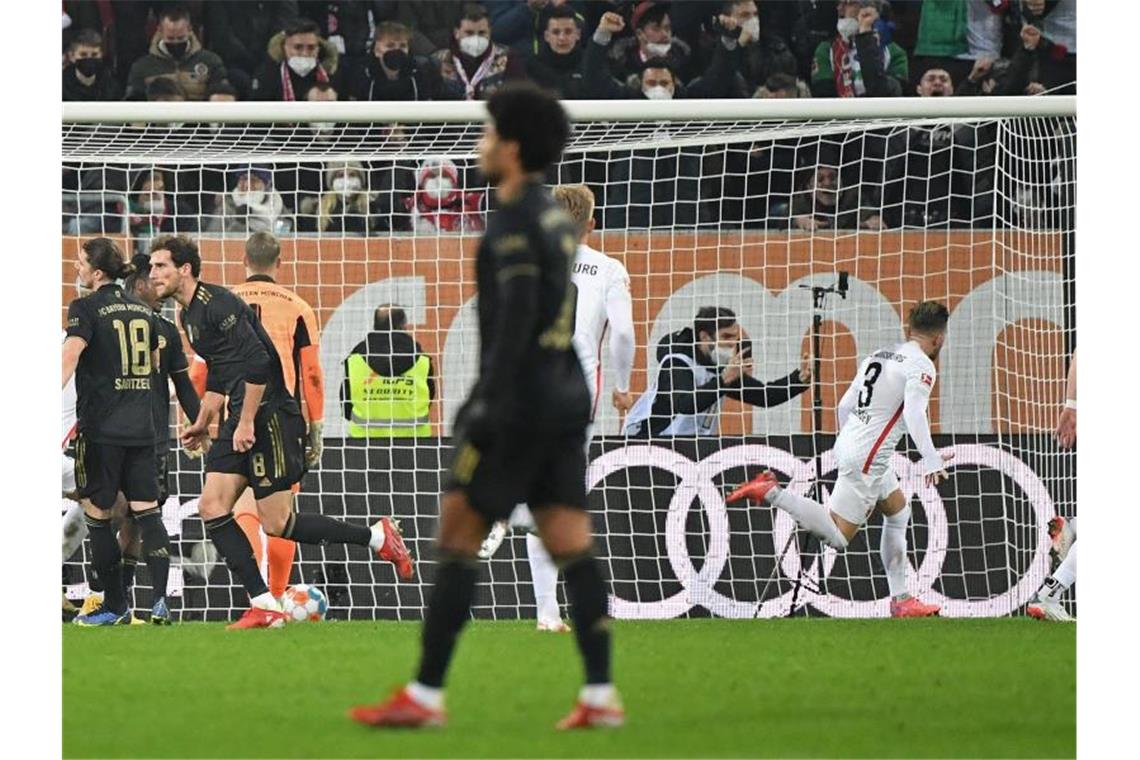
pixel 72 348
pixel 619 313
pixel 916 397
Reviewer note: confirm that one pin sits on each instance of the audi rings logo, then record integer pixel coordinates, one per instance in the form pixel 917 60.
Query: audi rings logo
pixel 696 484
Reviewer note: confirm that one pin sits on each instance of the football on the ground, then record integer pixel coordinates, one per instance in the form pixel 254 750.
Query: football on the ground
pixel 303 602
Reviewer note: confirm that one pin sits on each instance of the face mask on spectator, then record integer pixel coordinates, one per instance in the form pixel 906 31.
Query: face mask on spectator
pixel 89 67
pixel 724 354
pixel 323 127
pixel 473 45
pixel 658 49
pixel 847 27
pixel 752 26
pixel 346 185
pixel 302 65
pixel 438 187
pixel 658 93
pixel 175 49
pixel 249 198
pixel 395 59
pixel 152 204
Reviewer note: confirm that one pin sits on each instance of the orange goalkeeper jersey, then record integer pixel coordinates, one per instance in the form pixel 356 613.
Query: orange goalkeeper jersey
pixel 292 326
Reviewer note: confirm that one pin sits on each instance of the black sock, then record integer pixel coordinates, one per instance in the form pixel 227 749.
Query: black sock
pixel 589 611
pixel 318 529
pixel 235 549
pixel 107 559
pixel 447 613
pixel 130 562
pixel 156 545
pixel 95 583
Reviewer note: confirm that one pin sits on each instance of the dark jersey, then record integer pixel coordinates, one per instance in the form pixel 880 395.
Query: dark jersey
pixel 225 332
pixel 114 380
pixel 171 359
pixel 526 315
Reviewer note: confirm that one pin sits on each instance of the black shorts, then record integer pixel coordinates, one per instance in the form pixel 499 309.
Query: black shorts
pixel 277 459
pixel 102 470
pixel 162 471
pixel 539 470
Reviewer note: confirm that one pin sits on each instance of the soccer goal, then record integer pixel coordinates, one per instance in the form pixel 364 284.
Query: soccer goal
pixel 818 223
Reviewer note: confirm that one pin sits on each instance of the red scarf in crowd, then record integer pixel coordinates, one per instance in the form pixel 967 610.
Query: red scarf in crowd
pixel 287 81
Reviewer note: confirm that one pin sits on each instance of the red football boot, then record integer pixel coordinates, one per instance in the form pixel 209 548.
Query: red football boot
pixel 584 716
pixel 912 607
pixel 256 617
pixel 754 489
pixel 400 711
pixel 394 550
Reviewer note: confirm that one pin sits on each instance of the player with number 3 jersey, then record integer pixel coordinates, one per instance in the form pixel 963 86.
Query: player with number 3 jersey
pixel 887 399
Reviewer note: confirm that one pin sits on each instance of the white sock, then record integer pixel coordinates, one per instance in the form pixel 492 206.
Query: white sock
pixel 376 543
pixel 598 695
pixel 892 550
pixel 521 518
pixel 428 696
pixel 74 530
pixel 1066 572
pixel 811 515
pixel 544 576
pixel 266 601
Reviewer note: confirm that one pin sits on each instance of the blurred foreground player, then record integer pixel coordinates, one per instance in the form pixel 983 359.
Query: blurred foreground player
pixel 1046 603
pixel 601 285
pixel 292 326
pixel 261 442
pixel 893 386
pixel 111 347
pixel 521 434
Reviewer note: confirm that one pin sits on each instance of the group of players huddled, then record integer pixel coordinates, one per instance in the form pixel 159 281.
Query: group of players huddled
pixel 521 438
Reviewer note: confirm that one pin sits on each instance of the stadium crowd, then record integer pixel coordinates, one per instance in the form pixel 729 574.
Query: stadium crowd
pixel 448 50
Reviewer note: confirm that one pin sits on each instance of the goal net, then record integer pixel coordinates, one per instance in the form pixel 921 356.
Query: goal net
pixel 753 206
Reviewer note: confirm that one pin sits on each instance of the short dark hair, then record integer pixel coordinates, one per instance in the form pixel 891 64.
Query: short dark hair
pixel 712 319
pixel 654 14
pixel 141 264
pixel 660 62
pixel 164 87
pixel 104 255
pixel 472 12
pixel 262 250
pixel 174 13
pixel 85 38
pixel 728 6
pixel 928 317
pixel 182 250
pixel 301 26
pixel 531 116
pixel 780 81
pixel 558 11
pixel 388 317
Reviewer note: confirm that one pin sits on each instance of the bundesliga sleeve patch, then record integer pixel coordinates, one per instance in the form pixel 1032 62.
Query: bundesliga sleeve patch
pixel 927 379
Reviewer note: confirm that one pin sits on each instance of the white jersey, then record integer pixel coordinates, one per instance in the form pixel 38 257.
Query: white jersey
pixel 603 301
pixel 887 399
pixel 68 409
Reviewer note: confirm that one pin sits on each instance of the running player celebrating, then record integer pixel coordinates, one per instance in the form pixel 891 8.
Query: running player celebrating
pixel 520 436
pixel 601 286
pixel 893 385
pixel 261 442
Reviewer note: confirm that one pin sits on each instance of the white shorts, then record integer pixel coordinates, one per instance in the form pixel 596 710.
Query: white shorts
pixel 68 474
pixel 856 494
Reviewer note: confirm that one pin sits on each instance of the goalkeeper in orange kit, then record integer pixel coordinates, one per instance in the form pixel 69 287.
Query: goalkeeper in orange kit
pixel 292 326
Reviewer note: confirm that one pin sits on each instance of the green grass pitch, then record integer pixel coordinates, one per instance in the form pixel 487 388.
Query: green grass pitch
pixel 692 688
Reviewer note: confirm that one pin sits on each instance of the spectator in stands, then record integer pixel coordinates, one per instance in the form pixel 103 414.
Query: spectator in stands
pixel 658 78
pixel 472 66
pixel 343 207
pixel 252 205
pixel 376 395
pixel 392 72
pixel 298 58
pixel 440 204
pixel 783 86
pixel 819 204
pixel 165 90
pixel 935 83
pixel 953 35
pixel 859 62
pixel 652 39
pixel 1056 48
pixel 151 208
pixel 762 52
pixel 85 77
pixel 558 64
pixel 1038 65
pixel 175 53
pixel 344 25
pixel 521 24
pixel 432 21
pixel 223 93
pixel 239 32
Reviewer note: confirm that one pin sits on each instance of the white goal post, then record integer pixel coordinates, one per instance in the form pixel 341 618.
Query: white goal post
pixel 743 204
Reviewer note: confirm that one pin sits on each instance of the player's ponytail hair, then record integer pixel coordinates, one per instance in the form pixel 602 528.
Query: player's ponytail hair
pixel 104 255
pixel 928 318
